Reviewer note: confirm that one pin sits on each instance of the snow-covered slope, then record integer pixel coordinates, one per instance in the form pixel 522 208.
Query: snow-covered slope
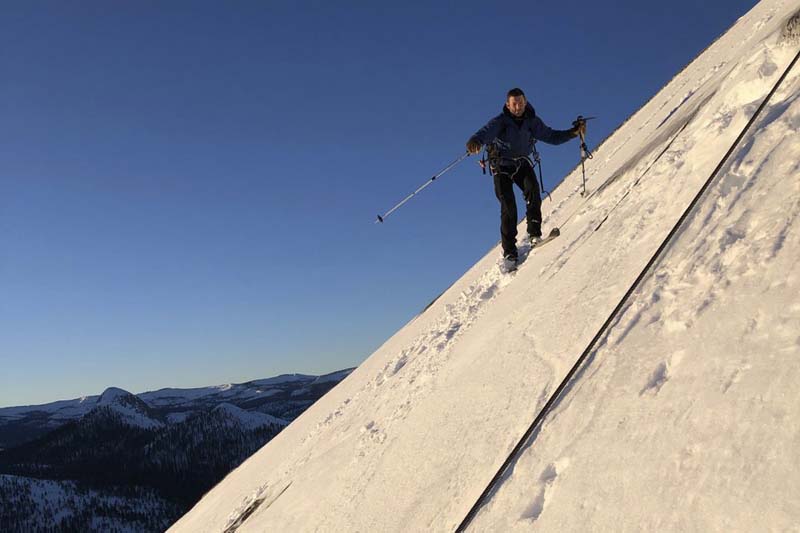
pixel 130 409
pixel 684 417
pixel 247 419
pixel 30 504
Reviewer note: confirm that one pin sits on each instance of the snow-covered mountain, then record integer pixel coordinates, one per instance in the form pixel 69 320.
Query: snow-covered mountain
pixel 247 419
pixel 681 325
pixel 280 396
pixel 130 409
pixel 125 465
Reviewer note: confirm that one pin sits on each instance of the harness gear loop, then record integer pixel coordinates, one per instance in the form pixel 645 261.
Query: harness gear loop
pixel 538 160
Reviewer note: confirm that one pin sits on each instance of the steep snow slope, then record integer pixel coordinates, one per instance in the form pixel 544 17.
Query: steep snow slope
pixel 690 406
pixel 410 439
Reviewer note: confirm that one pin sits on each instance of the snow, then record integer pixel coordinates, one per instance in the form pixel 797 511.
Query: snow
pixel 65 410
pixel 249 419
pixel 134 417
pixel 685 414
pixel 60 505
pixel 171 396
pixel 130 409
pixel 119 400
pixel 60 410
pixel 237 391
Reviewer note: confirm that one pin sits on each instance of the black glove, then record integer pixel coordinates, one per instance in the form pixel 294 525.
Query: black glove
pixel 578 128
pixel 474 145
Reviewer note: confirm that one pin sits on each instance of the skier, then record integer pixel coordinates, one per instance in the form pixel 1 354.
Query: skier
pixel 509 138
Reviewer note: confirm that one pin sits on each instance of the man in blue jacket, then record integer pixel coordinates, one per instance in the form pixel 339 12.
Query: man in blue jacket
pixel 509 138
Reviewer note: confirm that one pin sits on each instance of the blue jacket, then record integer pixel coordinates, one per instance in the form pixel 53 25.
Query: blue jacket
pixel 514 137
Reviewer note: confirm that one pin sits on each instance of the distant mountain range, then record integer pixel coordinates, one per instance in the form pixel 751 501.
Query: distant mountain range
pixel 165 448
pixel 283 397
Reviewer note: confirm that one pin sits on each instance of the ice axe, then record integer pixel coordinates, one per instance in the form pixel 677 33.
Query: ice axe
pixel 580 123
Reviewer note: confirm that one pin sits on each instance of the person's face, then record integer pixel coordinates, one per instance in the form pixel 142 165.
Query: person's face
pixel 516 104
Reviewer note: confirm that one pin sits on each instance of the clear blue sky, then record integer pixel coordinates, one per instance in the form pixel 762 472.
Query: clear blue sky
pixel 188 189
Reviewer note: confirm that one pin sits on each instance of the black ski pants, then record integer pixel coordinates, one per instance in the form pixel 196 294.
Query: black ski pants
pixel 505 176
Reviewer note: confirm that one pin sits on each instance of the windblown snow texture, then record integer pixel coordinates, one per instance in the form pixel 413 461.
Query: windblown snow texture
pixel 685 415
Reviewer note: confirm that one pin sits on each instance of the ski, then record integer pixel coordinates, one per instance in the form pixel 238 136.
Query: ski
pixel 507 266
pixel 555 232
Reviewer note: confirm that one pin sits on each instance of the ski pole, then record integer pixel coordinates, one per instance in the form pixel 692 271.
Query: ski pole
pixel 410 196
pixel 585 153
